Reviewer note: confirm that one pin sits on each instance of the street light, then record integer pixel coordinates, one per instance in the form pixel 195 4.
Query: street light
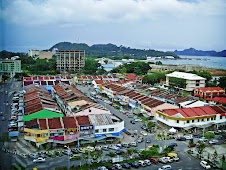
pixel 68 155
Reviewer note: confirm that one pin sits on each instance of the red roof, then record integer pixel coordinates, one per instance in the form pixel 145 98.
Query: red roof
pixel 195 111
pixel 54 123
pixel 99 81
pixel 219 99
pixel 83 120
pixel 204 89
pixel 131 76
pixel 69 122
pixel 42 124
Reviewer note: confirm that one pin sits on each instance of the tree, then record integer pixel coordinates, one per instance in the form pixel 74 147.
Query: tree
pixel 105 61
pixel 150 125
pixel 200 147
pixel 158 63
pixel 126 155
pixel 85 156
pixel 209 135
pixel 4 137
pixel 111 154
pixel 191 142
pixel 222 82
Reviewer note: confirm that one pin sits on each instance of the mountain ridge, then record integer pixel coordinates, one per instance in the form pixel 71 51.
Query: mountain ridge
pixel 194 52
pixel 110 50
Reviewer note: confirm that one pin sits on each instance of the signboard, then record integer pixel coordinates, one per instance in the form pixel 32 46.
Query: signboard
pixel 84 128
pixel 56 131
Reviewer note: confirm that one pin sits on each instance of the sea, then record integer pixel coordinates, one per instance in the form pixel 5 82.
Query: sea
pixel 204 61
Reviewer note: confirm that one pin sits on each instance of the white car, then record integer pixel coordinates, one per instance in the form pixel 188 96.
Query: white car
pixel 147 162
pixel 188 137
pixel 214 141
pixel 165 167
pixel 205 165
pixel 141 163
pixel 144 133
pixel 39 160
pixel 138 120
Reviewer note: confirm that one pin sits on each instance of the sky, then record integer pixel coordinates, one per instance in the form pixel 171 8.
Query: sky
pixel 144 24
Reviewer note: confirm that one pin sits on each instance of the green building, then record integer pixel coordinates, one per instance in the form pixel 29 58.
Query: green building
pixel 10 66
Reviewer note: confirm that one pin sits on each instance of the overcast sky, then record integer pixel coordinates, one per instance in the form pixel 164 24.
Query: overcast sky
pixel 146 24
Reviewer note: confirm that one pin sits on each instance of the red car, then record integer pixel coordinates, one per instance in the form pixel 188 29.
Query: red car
pixel 153 160
pixel 193 145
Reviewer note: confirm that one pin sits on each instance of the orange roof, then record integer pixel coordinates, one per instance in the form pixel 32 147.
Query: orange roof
pixel 204 89
pixel 131 76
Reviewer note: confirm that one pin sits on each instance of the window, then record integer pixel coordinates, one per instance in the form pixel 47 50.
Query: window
pixel 207 119
pixel 178 121
pixel 198 120
pixel 104 130
pixel 202 120
pixel 221 117
pixel 111 129
pixel 193 121
pixel 188 121
pixel 97 131
pixel 197 82
pixel 51 134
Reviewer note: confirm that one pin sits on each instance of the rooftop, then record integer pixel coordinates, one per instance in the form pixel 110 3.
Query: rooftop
pixel 187 76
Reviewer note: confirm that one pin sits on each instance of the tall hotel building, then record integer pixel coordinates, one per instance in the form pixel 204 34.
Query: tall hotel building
pixel 70 60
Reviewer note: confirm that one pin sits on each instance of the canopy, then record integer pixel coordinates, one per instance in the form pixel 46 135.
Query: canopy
pixel 172 130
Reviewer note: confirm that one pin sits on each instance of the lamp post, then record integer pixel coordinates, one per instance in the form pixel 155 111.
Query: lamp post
pixel 68 155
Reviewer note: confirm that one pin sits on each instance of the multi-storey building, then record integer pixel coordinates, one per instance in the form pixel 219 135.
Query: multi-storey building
pixel 70 60
pixel 9 66
pixel 192 81
pixel 209 92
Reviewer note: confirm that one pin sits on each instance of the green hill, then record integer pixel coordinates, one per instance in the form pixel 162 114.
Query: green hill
pixel 111 50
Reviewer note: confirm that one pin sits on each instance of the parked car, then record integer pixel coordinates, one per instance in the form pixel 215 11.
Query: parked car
pixel 75 151
pixel 188 137
pixel 126 145
pixel 203 139
pixel 205 165
pixel 80 150
pixel 143 127
pixel 105 147
pixel 163 160
pixel 39 160
pixel 98 148
pixel 77 157
pixel 148 140
pixel 214 141
pixel 165 167
pixel 127 132
pixel 102 168
pixel 67 152
pixel 138 120
pixel 126 165
pixel 119 152
pixel 132 121
pixel 133 144
pixel 118 166
pixel 147 162
pixel 176 158
pixel 134 164
pixel 33 155
pixel 141 163
pixel 110 167
pixel 153 160
pixel 139 140
pixel 197 135
pixel 169 159
pixel 144 133
pixel 172 144
pixel 181 139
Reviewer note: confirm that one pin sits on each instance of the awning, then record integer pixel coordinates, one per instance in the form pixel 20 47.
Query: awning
pixel 223 114
pixel 20 124
pixel 148 109
pixel 13 133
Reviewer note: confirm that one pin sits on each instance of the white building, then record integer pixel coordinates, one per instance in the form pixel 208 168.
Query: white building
pixel 106 125
pixel 192 80
pixel 187 118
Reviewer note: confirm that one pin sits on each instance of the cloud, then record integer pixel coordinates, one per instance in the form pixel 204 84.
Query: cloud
pixel 77 12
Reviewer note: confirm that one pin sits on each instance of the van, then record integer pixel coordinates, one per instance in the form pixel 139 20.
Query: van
pixel 126 145
pixel 133 144
pixel 141 163
pixel 118 166
pixel 147 162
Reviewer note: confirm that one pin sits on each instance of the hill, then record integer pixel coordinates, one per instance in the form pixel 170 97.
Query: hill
pixel 194 52
pixel 111 50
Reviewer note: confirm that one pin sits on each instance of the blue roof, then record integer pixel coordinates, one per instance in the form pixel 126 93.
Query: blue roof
pixel 13 133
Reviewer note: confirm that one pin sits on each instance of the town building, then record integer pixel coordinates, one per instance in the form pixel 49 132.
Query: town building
pixel 192 81
pixel 40 54
pixel 172 67
pixel 196 117
pixel 209 92
pixel 10 66
pixel 70 60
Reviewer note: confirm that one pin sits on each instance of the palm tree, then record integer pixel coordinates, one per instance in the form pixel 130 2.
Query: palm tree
pixel 111 154
pixel 126 155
